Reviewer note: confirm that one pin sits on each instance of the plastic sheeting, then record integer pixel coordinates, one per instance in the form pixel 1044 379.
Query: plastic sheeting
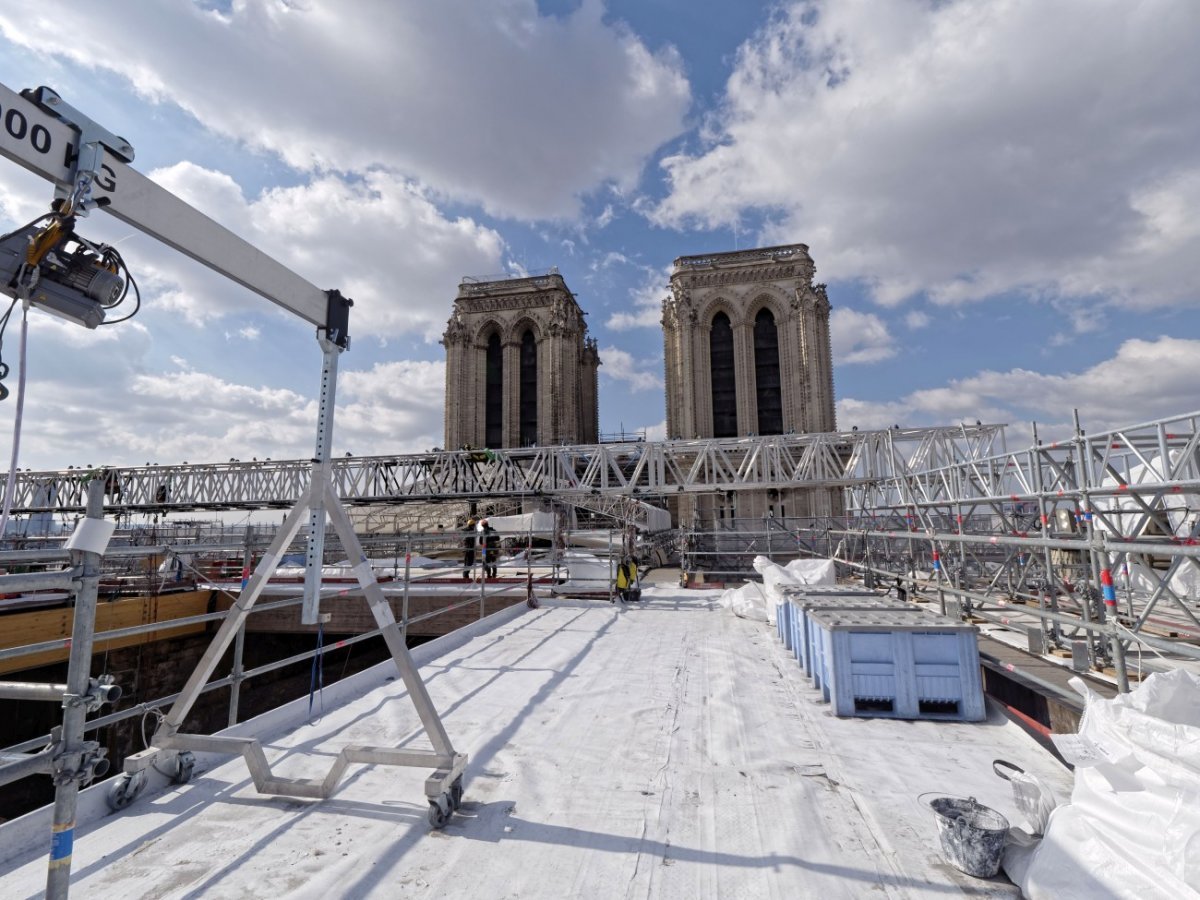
pixel 1181 510
pixel 587 573
pixel 525 523
pixel 746 602
pixel 1132 828
pixel 813 571
pixel 798 571
pixel 655 519
pixel 761 602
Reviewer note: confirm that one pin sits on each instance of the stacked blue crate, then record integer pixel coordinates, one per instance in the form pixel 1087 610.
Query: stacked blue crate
pixel 783 625
pixel 900 663
pixel 801 603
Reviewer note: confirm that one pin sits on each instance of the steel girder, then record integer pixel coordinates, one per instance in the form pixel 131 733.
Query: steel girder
pixel 649 469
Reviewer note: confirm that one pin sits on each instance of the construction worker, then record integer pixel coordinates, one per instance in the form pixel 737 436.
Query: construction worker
pixel 469 548
pixel 489 539
pixel 627 580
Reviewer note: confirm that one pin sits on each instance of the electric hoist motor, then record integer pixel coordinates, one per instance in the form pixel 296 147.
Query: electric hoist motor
pixel 78 284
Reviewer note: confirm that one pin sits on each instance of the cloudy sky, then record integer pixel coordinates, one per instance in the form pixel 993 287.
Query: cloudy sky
pixel 1001 194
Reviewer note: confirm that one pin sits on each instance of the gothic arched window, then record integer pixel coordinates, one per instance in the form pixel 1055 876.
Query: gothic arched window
pixel 493 428
pixel 724 390
pixel 767 386
pixel 529 390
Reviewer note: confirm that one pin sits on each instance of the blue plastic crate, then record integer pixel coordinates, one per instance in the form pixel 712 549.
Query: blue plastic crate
pixel 783 625
pixel 802 645
pixel 896 663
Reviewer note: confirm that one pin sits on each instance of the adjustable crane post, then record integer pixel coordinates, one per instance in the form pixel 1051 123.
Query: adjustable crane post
pixel 88 167
pixel 334 338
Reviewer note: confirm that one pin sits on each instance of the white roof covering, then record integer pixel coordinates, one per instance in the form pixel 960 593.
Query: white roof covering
pixel 523 523
pixel 666 750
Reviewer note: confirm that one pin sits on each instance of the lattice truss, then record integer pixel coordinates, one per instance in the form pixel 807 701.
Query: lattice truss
pixel 634 468
pixel 1052 522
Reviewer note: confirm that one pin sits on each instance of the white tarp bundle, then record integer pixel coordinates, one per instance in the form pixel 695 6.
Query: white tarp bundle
pixel 746 602
pixel 587 573
pixel 813 571
pixel 656 519
pixel 1132 828
pixel 760 602
pixel 798 571
pixel 525 523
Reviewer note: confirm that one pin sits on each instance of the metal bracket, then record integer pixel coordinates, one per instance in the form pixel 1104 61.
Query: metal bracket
pixel 102 690
pixel 88 163
pixel 337 319
pixel 92 762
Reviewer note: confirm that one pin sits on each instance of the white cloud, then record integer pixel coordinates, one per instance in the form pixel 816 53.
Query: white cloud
pixel 247 333
pixel 645 311
pixel 454 93
pixel 23 197
pixel 393 407
pixel 916 319
pixel 1144 380
pixel 859 338
pixel 111 407
pixel 620 365
pixel 966 149
pixel 379 240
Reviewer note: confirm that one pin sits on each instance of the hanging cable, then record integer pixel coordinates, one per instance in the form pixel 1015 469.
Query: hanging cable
pixel 29 224
pixel 11 483
pixel 3 365
pixel 316 682
pixel 137 298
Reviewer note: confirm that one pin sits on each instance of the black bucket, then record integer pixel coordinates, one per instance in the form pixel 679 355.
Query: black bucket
pixel 972 835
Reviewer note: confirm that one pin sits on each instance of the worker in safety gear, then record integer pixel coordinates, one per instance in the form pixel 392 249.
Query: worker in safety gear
pixel 627 579
pixel 489 538
pixel 469 548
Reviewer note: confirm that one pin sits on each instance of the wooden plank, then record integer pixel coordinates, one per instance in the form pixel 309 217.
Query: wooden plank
pixel 20 629
pixel 1013 662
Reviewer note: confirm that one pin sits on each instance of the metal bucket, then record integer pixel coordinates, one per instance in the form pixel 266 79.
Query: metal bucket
pixel 972 835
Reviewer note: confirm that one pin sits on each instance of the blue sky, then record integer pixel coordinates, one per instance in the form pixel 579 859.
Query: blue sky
pixel 1001 196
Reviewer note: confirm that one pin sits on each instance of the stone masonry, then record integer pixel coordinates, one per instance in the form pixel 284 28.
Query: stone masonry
pixel 512 313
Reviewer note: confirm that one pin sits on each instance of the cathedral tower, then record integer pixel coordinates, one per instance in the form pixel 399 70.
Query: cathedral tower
pixel 747 352
pixel 520 367
pixel 746 341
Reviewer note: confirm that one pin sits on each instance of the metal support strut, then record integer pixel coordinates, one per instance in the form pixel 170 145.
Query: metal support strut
pixel 443 788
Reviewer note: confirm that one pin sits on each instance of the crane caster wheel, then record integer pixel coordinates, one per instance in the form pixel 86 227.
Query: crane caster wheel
pixel 125 789
pixel 185 764
pixel 456 793
pixel 440 811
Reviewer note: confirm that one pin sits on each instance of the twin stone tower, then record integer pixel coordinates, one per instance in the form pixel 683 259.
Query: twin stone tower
pixel 746 351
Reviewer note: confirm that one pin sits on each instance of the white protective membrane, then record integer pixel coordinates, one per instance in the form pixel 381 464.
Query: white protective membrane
pixel 760 602
pixel 1132 828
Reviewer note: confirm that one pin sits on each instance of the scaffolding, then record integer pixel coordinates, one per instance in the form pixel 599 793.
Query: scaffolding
pixel 1087 546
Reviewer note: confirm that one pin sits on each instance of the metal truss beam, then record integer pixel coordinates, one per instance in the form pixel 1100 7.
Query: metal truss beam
pixel 634 469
